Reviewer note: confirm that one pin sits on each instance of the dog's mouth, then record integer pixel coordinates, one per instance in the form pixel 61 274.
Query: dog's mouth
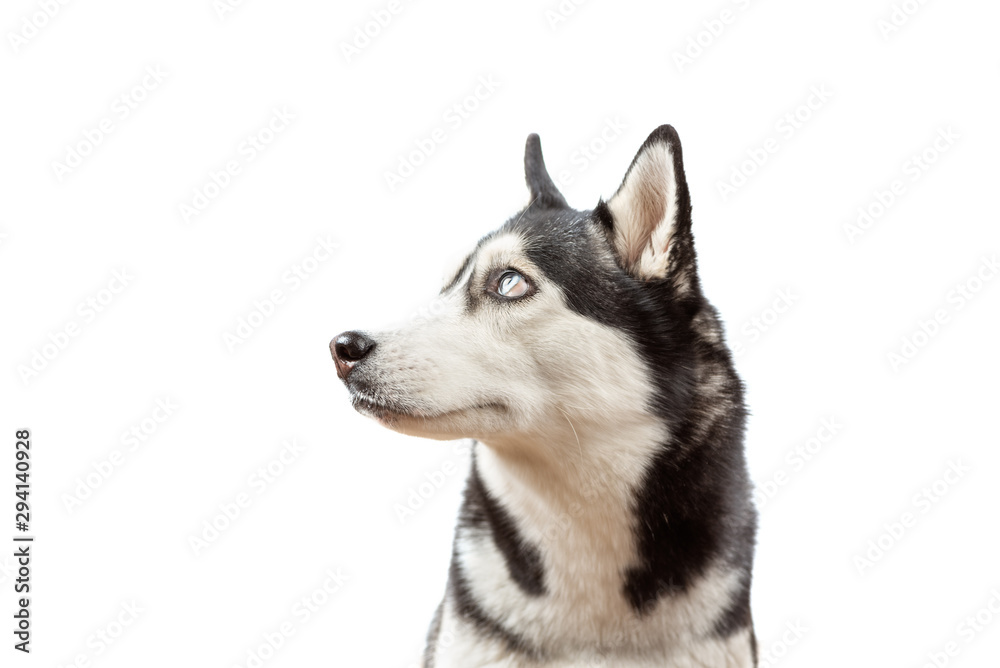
pixel 389 413
pixel 379 409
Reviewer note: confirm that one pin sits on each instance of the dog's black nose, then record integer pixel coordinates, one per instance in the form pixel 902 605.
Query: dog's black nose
pixel 348 349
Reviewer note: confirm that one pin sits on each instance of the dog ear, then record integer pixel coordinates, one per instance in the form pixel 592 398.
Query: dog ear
pixel 650 215
pixel 544 193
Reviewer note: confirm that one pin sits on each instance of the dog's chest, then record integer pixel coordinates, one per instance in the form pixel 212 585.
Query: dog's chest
pixel 585 543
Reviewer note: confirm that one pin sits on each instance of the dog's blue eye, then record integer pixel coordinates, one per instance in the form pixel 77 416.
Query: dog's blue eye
pixel 512 284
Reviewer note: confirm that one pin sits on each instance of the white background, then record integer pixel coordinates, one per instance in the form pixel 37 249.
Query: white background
pixel 334 507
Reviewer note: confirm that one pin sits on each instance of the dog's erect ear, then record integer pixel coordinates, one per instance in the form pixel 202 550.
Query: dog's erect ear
pixel 544 193
pixel 650 215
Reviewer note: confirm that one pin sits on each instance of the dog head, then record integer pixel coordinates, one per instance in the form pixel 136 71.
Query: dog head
pixel 559 316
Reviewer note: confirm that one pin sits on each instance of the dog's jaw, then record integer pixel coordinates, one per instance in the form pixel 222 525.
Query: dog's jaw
pixel 440 425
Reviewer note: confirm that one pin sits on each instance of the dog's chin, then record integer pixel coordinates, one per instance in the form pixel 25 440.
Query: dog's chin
pixel 467 422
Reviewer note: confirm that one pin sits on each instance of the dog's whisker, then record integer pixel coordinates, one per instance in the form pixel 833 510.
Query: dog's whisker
pixel 575 435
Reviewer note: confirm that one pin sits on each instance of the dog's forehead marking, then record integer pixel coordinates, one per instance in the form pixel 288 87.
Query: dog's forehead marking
pixel 460 274
pixel 504 248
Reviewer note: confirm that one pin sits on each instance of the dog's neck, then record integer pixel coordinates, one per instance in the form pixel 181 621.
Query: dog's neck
pixel 579 462
pixel 571 493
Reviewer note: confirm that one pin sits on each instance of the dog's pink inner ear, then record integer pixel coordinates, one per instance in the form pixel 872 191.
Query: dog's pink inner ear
pixel 644 211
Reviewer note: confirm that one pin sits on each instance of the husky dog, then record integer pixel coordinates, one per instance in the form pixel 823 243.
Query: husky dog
pixel 607 518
